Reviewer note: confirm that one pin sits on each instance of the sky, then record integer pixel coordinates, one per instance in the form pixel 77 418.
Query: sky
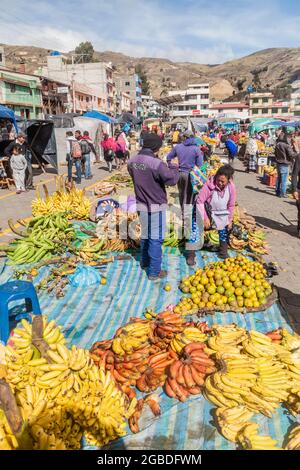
pixel 203 31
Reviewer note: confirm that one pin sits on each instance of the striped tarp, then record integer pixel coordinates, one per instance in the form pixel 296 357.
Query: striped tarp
pixel 94 313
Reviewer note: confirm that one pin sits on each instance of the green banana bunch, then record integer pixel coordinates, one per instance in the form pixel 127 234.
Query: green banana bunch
pixel 44 236
pixel 172 240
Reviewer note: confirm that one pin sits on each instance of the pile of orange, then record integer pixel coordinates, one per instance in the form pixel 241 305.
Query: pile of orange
pixel 234 283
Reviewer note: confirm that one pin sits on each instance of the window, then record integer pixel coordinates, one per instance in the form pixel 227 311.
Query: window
pixel 265 100
pixel 274 110
pixel 265 111
pixel 240 110
pixel 188 108
pixel 204 106
pixel 12 88
pixel 285 110
pixel 255 100
pixel 87 99
pixel 1 58
pixel 204 97
pixel 191 97
pixel 127 83
pixel 254 111
pixel 30 91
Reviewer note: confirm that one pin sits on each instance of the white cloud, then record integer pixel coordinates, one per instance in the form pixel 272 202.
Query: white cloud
pixel 202 31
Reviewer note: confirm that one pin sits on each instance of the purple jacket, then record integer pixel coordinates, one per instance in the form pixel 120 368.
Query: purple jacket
pixel 150 176
pixel 189 155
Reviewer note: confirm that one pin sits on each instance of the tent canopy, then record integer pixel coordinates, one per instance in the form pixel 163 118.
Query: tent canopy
pixel 41 140
pixel 7 113
pixel 128 117
pixel 102 117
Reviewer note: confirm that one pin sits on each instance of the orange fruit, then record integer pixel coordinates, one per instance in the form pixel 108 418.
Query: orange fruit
pixel 220 289
pixel 211 289
pixel 239 291
pixel 103 281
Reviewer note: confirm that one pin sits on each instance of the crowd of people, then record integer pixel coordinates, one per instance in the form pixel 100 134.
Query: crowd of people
pixel 213 205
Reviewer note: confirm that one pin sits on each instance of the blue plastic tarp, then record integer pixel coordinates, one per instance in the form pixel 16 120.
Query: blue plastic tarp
pixel 100 116
pixel 7 113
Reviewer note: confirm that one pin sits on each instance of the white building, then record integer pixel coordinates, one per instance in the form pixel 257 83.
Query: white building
pixel 98 76
pixel 150 107
pixel 195 101
pixel 295 98
pixel 233 110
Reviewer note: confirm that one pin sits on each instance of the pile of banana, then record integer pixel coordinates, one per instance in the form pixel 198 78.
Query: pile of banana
pixel 172 239
pixel 212 237
pixel 189 335
pixel 249 439
pixel 73 201
pixel 294 439
pixel 131 337
pixel 43 237
pixel 91 249
pixel 231 421
pixel 63 400
pixel 256 243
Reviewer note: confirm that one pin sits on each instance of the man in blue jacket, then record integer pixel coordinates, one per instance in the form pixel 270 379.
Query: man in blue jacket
pixel 150 177
pixel 232 149
pixel 189 155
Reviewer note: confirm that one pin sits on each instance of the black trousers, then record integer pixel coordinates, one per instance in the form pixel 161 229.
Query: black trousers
pixel 298 207
pixel 28 175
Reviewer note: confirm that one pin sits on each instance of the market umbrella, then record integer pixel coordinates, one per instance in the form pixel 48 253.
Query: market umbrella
pixel 100 116
pixel 7 113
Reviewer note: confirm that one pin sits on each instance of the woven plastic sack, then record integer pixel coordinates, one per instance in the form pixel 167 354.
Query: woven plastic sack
pixel 198 177
pixel 84 276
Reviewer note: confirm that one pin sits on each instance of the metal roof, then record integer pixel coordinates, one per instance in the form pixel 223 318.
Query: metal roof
pixel 168 100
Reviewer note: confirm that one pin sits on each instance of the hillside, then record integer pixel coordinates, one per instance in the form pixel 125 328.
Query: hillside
pixel 270 68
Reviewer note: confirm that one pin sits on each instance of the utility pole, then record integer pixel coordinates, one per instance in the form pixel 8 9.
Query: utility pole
pixel 73 93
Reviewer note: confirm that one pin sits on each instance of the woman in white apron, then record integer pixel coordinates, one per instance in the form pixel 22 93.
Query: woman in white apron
pixel 216 202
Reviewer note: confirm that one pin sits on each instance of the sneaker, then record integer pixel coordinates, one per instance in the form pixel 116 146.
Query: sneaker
pixel 161 275
pixel 18 192
pixel 30 187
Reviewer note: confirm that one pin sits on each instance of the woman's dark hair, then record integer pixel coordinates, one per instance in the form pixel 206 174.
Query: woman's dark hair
pixel 225 170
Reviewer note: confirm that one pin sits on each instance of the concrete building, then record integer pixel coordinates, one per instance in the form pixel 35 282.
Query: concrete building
pixel 123 103
pixel 2 57
pixel 263 105
pixel 56 96
pixel 150 107
pixel 196 100
pixel 233 110
pixel 132 85
pixel 97 76
pixel 21 92
pixel 295 98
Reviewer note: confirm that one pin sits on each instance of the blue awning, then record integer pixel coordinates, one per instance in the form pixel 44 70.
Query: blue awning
pixel 286 124
pixel 7 113
pixel 100 116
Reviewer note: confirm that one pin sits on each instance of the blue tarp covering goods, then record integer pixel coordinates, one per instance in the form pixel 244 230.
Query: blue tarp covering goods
pixel 94 313
pixel 6 113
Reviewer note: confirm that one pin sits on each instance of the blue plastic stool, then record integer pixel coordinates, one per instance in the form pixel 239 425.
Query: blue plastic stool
pixel 16 290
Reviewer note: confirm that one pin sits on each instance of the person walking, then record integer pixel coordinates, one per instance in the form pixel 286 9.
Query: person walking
pixel 189 155
pixel 216 202
pixel 232 149
pixel 18 164
pixel 150 177
pixel 251 151
pixel 21 140
pixel 86 148
pixel 109 146
pixel 296 187
pixel 285 153
pixel 74 155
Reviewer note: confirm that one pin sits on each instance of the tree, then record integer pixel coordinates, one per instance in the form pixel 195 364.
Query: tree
pixel 87 51
pixel 144 79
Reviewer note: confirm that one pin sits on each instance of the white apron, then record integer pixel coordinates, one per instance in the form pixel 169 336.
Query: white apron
pixel 219 211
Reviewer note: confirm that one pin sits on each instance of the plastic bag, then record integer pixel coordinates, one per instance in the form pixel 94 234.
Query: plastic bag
pixel 84 276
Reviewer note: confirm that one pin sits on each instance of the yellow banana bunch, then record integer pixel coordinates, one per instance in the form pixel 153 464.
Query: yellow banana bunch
pixel 189 335
pixel 7 438
pixel 294 439
pixel 226 338
pixel 290 341
pixel 250 440
pixel 133 336
pixel 259 345
pixel 73 201
pixel 22 339
pixel 232 420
